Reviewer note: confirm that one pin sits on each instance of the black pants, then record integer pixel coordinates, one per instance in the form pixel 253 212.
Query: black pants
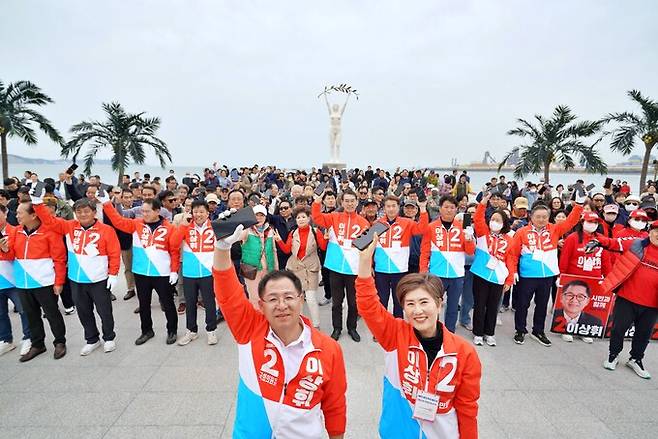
pixel 66 295
pixel 526 288
pixel 191 288
pixel 386 284
pixel 326 276
pixel 85 297
pixel 33 300
pixel 486 296
pixel 342 284
pixel 144 285
pixel 510 295
pixel 626 314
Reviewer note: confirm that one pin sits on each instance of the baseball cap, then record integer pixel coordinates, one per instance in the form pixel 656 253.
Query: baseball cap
pixel 370 201
pixel 591 216
pixel 653 225
pixel 639 213
pixel 521 203
pixel 410 203
pixel 212 198
pixel 632 198
pixel 259 208
pixel 611 208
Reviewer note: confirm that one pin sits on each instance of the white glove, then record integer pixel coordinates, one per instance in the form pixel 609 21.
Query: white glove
pixel 516 278
pixel 37 199
pixel 580 199
pixel 102 197
pixel 111 282
pixel 557 282
pixel 227 243
pixel 469 233
pixel 173 278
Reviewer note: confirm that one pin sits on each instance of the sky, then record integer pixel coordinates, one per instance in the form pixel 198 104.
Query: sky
pixel 237 81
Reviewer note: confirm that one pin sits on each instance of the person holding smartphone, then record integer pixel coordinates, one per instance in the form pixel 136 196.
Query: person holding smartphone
pixel 432 376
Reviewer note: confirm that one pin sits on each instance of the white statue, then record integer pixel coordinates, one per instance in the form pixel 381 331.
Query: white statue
pixel 335 118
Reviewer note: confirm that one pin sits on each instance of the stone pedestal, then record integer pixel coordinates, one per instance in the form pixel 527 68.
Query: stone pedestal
pixel 335 165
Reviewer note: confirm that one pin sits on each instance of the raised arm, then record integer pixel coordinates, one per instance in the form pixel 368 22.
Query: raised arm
pixel 479 220
pixel 57 225
pixel 239 313
pixel 382 324
pixel 571 220
pixel 124 224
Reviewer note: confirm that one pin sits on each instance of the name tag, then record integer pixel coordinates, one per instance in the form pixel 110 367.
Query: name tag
pixel 396 244
pixel 426 406
pixel 347 243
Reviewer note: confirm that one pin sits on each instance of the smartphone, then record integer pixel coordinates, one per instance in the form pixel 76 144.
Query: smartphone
pixel 589 187
pixel 318 190
pixel 542 190
pixel 226 226
pixel 72 169
pixel 366 237
pixel 608 183
pixel 398 190
pixel 421 195
pixel 467 220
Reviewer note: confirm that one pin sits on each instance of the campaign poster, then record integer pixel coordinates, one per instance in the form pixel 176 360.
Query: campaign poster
pixel 581 308
pixel 631 331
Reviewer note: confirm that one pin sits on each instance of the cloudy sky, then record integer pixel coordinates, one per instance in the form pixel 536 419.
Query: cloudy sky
pixel 237 81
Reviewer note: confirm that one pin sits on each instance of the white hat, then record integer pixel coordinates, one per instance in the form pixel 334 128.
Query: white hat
pixel 259 208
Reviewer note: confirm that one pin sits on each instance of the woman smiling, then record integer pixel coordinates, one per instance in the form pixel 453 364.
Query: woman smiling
pixel 431 376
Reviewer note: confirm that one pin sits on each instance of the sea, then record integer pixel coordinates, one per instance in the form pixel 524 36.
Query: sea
pixel 477 177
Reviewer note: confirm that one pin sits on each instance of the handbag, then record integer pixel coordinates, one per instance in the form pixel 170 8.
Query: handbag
pixel 248 271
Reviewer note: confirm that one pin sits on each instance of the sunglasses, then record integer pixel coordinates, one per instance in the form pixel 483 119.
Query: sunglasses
pixel 599 200
pixel 284 207
pixel 632 204
pixel 172 200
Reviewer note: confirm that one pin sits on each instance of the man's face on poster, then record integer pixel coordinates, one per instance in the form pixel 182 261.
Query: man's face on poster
pixel 574 299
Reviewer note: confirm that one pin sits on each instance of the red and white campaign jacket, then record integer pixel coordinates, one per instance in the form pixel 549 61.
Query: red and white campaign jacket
pixel 267 406
pixel 536 250
pixel 39 258
pixel 493 252
pixel 155 253
pixel 454 375
pixel 574 260
pixel 392 251
pixel 93 253
pixel 198 247
pixel 7 262
pixel 443 252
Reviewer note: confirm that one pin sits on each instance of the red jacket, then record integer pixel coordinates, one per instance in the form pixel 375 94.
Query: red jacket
pixel 454 375
pixel 94 252
pixel 39 258
pixel 319 384
pixel 574 260
pixel 635 274
pixel 443 252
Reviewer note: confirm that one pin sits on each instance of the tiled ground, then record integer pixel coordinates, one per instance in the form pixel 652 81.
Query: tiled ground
pixel 159 391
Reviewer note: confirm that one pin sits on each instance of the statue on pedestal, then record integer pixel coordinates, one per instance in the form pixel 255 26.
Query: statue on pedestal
pixel 336 112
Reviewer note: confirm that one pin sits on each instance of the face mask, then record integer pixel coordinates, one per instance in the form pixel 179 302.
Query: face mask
pixel 532 191
pixel 637 225
pixel 630 207
pixel 590 227
pixel 495 226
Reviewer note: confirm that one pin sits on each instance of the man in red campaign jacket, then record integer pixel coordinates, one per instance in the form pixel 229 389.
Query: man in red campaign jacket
pixel 94 257
pixel 39 273
pixel 635 279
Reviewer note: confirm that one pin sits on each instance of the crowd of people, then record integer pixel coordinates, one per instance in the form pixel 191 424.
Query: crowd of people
pixel 445 248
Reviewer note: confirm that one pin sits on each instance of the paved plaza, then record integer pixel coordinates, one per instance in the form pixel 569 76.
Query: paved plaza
pixel 160 391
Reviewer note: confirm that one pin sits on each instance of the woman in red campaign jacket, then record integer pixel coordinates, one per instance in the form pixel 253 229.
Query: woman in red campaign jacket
pixel 635 280
pixel 575 261
pixel 432 376
pixel 493 270
pixel 636 227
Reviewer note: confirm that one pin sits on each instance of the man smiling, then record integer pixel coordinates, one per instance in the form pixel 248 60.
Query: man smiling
pixel 289 371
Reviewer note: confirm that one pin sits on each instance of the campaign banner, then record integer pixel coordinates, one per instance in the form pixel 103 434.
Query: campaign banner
pixel 581 307
pixel 631 331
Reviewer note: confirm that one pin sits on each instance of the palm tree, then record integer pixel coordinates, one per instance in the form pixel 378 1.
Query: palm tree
pixel 125 134
pixel 558 139
pixel 17 115
pixel 631 126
